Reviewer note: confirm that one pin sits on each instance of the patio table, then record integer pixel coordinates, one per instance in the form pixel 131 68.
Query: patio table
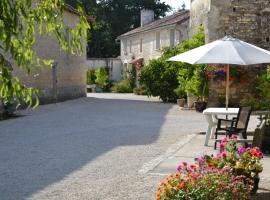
pixel 212 120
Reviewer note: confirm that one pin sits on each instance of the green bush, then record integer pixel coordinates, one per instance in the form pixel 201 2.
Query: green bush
pixel 141 90
pixel 123 86
pixel 102 77
pixel 161 78
pixel 90 77
pixel 260 97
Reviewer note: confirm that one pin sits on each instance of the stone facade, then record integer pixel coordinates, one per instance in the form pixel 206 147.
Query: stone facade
pixel 67 79
pixel 248 20
pixel 149 50
pixel 146 42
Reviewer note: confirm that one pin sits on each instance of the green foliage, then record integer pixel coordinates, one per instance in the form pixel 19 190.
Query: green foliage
pixel 166 79
pixel 102 77
pixel 123 86
pixel 141 90
pixel 130 74
pixel 260 97
pixel 91 77
pixel 192 78
pixel 20 23
pixel 160 79
pixel 113 18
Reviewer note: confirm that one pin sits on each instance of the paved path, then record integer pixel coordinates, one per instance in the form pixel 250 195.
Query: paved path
pixel 96 148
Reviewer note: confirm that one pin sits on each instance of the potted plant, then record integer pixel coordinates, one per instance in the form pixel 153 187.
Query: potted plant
pixel 181 101
pixel 200 88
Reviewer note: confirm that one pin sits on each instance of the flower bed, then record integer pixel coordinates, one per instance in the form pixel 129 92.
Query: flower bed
pixel 229 175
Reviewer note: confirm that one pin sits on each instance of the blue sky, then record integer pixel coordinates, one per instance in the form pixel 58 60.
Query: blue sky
pixel 175 4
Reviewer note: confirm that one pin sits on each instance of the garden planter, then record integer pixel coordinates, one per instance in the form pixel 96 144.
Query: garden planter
pixel 200 106
pixel 255 186
pixel 181 102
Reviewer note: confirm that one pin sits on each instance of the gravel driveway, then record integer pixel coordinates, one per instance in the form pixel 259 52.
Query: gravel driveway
pixel 89 148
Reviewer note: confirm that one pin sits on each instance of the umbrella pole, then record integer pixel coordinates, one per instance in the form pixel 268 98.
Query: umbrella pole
pixel 227 86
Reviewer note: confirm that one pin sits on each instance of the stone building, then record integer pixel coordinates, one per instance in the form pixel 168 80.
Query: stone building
pixel 67 78
pixel 248 20
pixel 144 43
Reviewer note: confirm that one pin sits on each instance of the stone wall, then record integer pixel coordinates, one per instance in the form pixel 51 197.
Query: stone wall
pixel 248 20
pixel 68 81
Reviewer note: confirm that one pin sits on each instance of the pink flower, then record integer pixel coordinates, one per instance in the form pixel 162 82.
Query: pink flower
pixel 184 163
pixel 234 136
pixel 224 140
pixel 179 167
pixel 222 145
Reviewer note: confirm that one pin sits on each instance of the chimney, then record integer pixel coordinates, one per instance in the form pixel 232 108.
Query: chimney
pixel 147 16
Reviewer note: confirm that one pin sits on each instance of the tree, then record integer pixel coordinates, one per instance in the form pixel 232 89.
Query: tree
pixel 20 22
pixel 113 18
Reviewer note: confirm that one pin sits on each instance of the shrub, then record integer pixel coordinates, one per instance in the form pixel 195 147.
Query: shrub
pixel 123 86
pixel 141 90
pixel 90 77
pixel 102 77
pixel 260 97
pixel 160 77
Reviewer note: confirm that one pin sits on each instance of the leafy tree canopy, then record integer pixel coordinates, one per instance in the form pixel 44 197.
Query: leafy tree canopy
pixel 20 22
pixel 113 18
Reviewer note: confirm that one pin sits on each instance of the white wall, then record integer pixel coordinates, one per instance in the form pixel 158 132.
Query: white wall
pixel 114 65
pixel 149 50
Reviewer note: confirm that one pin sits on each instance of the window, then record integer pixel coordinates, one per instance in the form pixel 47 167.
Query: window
pixel 141 44
pixel 172 37
pixel 125 47
pixel 158 40
pixel 130 46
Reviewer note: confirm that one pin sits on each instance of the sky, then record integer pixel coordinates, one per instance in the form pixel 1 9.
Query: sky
pixel 175 4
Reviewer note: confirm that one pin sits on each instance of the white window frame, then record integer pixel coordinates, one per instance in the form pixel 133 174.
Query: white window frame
pixel 125 47
pixel 158 41
pixel 130 46
pixel 172 37
pixel 141 45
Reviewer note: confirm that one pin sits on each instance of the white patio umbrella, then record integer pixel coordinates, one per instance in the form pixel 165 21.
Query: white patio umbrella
pixel 227 50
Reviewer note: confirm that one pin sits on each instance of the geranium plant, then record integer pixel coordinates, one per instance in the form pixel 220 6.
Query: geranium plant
pixel 241 160
pixel 193 182
pixel 229 175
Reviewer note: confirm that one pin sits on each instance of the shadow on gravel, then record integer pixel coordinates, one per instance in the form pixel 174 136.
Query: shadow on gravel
pixel 55 140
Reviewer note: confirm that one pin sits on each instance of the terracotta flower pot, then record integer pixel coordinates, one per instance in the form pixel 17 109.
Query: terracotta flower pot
pixel 181 102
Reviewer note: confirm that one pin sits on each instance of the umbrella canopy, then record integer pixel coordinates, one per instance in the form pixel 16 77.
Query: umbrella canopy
pixel 227 50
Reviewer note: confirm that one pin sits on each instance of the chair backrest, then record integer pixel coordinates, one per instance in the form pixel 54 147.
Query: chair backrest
pixel 243 118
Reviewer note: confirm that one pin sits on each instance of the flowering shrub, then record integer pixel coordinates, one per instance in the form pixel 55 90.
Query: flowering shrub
pixel 229 175
pixel 193 182
pixel 241 160
pixel 217 73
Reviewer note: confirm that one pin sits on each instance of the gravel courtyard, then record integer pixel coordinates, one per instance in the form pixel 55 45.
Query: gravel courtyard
pixel 90 148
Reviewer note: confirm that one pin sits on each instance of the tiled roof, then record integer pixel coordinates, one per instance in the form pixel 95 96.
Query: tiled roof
pixel 166 21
